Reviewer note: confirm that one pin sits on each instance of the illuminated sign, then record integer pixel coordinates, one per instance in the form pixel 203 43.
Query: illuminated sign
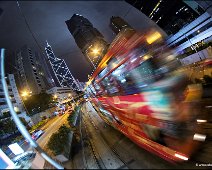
pixel 16 149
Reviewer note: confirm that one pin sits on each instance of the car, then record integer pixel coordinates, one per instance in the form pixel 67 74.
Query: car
pixel 36 134
pixel 56 113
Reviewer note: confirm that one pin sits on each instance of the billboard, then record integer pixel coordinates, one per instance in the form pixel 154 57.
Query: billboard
pixel 16 149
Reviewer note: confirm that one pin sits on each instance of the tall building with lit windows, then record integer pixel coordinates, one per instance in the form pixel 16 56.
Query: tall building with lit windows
pixel 13 93
pixel 88 39
pixel 61 70
pixel 30 75
pixel 117 24
pixel 171 16
pixel 16 103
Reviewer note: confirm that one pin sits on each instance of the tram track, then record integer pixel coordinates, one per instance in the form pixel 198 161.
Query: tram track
pixel 86 138
pixel 93 149
pixel 123 164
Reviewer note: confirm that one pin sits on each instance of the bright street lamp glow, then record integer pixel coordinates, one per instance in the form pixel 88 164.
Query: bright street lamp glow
pixel 95 51
pixel 55 96
pixel 25 93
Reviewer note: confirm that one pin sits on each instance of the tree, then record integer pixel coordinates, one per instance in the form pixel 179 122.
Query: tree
pixel 37 103
pixel 58 140
pixel 9 126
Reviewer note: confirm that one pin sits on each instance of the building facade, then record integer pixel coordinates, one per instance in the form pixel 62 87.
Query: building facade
pixel 192 38
pixel 117 24
pixel 30 76
pixel 61 70
pixel 170 16
pixel 205 5
pixel 61 93
pixel 48 75
pixel 88 38
pixel 14 96
pixel 17 106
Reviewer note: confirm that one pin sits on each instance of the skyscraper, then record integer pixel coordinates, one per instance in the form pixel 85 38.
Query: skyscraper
pixel 117 24
pixel 30 75
pixel 169 15
pixel 48 75
pixel 61 70
pixel 13 93
pixel 88 39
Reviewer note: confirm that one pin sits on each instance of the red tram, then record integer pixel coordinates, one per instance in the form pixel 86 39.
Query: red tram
pixel 135 91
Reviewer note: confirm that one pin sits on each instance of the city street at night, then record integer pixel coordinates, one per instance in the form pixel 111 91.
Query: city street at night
pixel 123 84
pixel 103 147
pixel 52 127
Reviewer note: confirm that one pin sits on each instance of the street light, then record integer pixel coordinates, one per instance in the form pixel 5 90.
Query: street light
pixel 95 51
pixel 25 93
pixel 55 96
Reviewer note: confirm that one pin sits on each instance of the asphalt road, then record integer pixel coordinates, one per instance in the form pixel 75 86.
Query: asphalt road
pixel 51 127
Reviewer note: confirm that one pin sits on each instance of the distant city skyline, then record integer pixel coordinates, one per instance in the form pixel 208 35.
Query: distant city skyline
pixel 47 22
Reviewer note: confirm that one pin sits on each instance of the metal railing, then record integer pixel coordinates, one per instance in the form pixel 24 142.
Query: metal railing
pixel 18 122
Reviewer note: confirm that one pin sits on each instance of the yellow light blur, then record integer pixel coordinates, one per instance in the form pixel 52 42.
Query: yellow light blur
pixel 55 96
pixel 146 57
pixel 25 93
pixel 154 37
pixel 95 51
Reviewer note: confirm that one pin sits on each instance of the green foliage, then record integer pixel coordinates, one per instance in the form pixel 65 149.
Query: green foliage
pixel 7 126
pixel 58 140
pixel 38 125
pixel 5 115
pixel 72 116
pixel 37 103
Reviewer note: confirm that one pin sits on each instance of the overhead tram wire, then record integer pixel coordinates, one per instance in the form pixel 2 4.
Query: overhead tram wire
pixel 21 127
pixel 129 9
pixel 27 24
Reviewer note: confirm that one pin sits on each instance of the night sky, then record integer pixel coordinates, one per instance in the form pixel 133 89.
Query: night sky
pixel 47 21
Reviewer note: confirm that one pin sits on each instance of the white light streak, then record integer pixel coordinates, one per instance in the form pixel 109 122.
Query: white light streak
pixel 199 137
pixel 201 121
pixel 133 60
pixel 181 156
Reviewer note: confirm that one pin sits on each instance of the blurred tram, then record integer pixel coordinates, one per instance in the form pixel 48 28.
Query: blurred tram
pixel 135 90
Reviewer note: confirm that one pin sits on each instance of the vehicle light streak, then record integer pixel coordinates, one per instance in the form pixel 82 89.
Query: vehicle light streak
pixel 199 137
pixel 181 156
pixel 201 121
